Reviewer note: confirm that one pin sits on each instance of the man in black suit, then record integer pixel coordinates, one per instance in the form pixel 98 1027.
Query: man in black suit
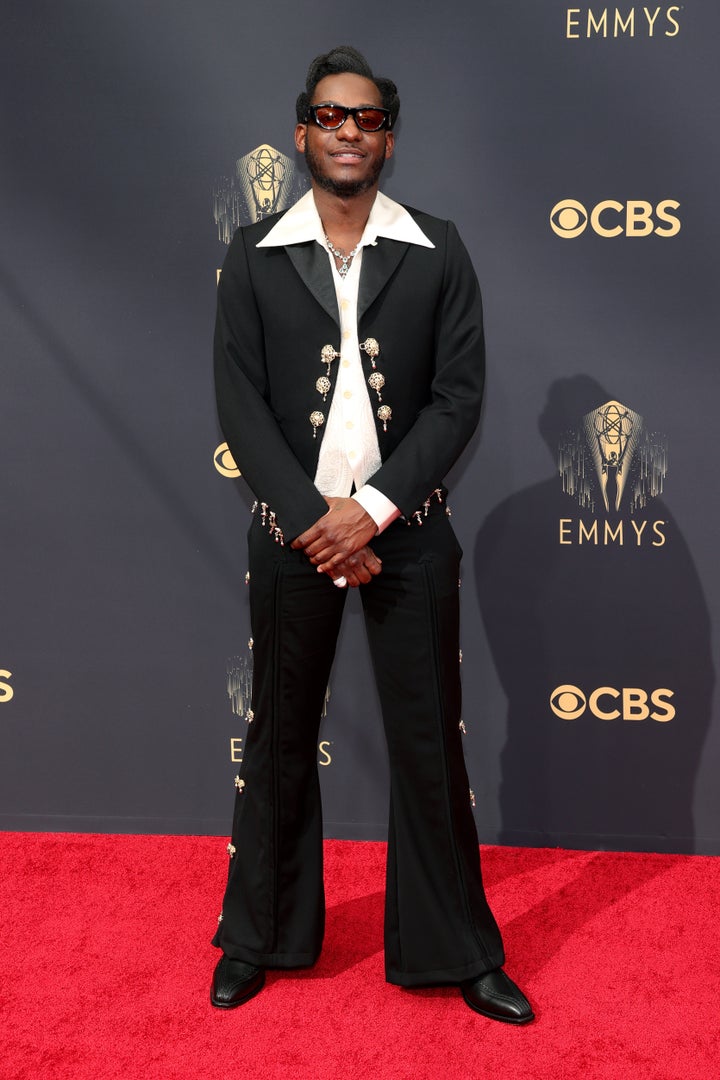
pixel 349 368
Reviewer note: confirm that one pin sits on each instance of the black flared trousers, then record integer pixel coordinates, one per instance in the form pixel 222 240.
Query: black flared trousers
pixel 438 926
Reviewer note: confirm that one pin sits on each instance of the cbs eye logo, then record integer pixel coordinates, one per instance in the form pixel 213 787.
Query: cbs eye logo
pixel 568 218
pixel 606 703
pixel 609 218
pixel 224 462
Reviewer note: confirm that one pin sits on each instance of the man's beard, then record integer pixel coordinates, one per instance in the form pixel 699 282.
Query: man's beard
pixel 342 188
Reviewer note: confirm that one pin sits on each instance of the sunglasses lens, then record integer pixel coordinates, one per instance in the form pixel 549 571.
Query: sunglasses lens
pixel 370 119
pixel 329 116
pixel 332 117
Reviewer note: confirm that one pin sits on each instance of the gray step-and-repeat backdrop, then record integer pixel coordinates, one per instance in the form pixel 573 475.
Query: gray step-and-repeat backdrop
pixel 576 147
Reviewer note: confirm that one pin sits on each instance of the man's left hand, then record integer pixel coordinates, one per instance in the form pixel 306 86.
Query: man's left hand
pixel 359 569
pixel 337 535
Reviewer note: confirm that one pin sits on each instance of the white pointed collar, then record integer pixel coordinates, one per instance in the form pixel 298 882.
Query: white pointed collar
pixel 387 218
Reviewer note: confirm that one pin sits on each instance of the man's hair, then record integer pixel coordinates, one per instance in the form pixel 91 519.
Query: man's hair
pixel 340 61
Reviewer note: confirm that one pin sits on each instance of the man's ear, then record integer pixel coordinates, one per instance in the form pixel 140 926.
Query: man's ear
pixel 389 144
pixel 300 137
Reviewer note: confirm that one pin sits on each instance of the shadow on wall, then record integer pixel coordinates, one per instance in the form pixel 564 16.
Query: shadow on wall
pixel 593 612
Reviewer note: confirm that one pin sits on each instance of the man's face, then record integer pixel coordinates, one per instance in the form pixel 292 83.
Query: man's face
pixel 346 161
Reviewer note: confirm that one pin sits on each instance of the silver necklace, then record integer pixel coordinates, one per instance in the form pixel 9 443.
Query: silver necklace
pixel 345 259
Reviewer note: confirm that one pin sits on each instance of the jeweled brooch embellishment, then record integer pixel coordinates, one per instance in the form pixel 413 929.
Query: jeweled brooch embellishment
pixel 372 348
pixel 384 413
pixel 327 355
pixel 377 381
pixel 323 386
pixel 317 420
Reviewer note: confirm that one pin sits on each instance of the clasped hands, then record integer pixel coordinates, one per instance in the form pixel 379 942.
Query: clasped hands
pixel 337 543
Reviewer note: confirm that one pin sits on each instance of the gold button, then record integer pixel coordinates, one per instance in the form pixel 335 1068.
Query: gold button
pixel 344 304
pixel 346 363
pixel 352 454
pixel 349 425
pixel 346 334
pixel 347 394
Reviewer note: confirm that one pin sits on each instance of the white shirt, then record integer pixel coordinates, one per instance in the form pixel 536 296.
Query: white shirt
pixel 349 453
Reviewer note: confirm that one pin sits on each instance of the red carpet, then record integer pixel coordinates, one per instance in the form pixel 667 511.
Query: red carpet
pixel 106 967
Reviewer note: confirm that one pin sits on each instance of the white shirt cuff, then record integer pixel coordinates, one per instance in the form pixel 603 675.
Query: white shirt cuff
pixel 378 506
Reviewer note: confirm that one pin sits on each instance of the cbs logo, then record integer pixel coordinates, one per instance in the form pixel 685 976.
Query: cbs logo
pixel 609 218
pixel 6 691
pixel 606 703
pixel 224 462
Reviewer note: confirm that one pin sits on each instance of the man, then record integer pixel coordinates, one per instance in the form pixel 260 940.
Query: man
pixel 349 369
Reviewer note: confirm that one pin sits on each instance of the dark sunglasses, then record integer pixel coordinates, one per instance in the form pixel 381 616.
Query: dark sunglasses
pixel 332 117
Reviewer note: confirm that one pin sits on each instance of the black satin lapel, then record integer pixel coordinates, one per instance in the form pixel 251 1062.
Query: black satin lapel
pixel 378 264
pixel 313 266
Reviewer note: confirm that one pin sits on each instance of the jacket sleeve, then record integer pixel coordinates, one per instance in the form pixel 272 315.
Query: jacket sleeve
pixel 256 442
pixel 443 428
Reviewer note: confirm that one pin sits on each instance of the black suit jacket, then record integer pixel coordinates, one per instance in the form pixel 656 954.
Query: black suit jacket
pixel 277 309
